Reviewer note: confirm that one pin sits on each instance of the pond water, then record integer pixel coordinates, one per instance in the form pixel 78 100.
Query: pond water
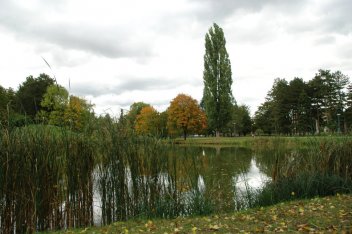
pixel 179 181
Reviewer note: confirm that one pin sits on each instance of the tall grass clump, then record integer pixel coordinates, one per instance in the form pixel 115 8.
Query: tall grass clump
pixel 50 177
pixel 44 177
pixel 323 168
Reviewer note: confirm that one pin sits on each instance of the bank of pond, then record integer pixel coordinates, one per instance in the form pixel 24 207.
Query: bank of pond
pixel 54 179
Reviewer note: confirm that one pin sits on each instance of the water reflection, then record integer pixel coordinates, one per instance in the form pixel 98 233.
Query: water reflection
pixel 247 184
pixel 180 181
pixel 252 179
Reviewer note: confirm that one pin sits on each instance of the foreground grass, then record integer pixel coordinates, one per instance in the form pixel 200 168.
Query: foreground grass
pixel 318 215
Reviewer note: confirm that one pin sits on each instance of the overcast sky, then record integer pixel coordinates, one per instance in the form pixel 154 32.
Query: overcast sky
pixel 118 52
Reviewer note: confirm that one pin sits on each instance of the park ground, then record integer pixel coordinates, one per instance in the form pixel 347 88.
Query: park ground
pixel 318 215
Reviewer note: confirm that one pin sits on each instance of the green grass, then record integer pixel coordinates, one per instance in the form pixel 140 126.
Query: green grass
pixel 258 140
pixel 328 214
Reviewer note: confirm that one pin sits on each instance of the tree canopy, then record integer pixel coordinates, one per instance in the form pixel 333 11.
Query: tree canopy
pixel 146 121
pixel 217 76
pixel 30 94
pixel 298 107
pixel 186 115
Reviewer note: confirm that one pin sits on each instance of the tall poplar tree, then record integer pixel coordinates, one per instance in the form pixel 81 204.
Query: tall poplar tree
pixel 217 95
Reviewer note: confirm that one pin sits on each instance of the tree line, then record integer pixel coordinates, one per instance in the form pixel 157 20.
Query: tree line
pixel 41 100
pixel 320 105
pixel 296 107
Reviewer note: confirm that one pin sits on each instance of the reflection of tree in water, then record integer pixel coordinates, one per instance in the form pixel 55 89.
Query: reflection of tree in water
pixel 171 181
pixel 268 159
pixel 224 164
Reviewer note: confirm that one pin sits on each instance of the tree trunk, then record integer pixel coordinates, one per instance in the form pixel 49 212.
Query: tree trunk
pixel 317 126
pixel 184 134
pixel 217 133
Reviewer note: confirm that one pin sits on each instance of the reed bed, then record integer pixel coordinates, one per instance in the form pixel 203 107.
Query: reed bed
pixel 320 167
pixel 49 176
pixel 45 179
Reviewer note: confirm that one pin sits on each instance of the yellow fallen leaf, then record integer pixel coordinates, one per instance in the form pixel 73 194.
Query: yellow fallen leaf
pixel 214 227
pixel 194 230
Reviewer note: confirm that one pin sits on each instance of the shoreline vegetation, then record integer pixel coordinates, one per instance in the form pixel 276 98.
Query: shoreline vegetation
pixel 139 177
pixel 317 215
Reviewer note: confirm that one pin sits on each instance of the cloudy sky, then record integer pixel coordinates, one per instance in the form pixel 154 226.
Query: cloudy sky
pixel 116 52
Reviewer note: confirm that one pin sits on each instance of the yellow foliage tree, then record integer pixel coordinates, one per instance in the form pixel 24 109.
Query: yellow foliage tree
pixel 77 112
pixel 184 114
pixel 147 121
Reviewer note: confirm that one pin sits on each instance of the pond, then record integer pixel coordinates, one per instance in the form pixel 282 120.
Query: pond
pixel 179 181
pixel 52 180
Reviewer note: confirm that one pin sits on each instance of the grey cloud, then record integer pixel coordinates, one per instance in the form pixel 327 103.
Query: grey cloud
pixel 337 16
pixel 108 41
pixel 332 17
pixel 85 89
pixel 345 51
pixel 324 40
pixel 220 9
pixel 129 84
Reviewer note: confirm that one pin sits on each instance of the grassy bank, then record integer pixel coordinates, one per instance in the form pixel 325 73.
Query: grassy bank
pixel 329 214
pixel 250 141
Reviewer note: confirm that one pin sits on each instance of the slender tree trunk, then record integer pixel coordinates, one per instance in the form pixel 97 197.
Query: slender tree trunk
pixel 217 133
pixel 317 126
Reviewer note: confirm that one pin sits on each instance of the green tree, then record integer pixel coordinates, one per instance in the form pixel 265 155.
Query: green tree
pixel 348 111
pixel 162 124
pixel 263 118
pixel 279 96
pixel 30 94
pixel 54 103
pixel 242 120
pixel 217 94
pixel 6 99
pixel 328 97
pixel 299 107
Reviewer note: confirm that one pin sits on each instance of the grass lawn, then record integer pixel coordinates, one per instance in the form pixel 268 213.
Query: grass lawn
pixel 259 141
pixel 318 215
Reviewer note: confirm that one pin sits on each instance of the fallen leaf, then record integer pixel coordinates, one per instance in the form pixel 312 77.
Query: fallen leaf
pixel 214 227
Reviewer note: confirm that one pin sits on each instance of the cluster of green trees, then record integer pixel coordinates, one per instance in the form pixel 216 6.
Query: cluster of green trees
pixel 41 100
pixel 322 104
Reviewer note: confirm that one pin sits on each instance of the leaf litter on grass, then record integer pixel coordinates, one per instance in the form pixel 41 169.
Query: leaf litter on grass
pixel 318 215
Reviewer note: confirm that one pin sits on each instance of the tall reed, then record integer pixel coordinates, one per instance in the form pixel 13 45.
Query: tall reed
pixel 322 167
pixel 45 179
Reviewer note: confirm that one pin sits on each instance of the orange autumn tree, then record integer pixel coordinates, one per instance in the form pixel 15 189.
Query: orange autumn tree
pixel 146 122
pixel 184 114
